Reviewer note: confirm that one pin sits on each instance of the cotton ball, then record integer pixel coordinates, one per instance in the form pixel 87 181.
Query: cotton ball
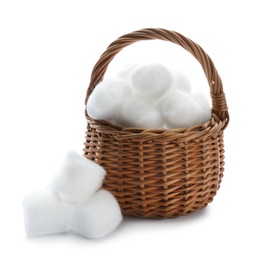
pixel 151 81
pixel 179 110
pixel 97 217
pixel 140 112
pixel 126 71
pixel 45 213
pixel 78 178
pixel 202 101
pixel 181 81
pixel 107 97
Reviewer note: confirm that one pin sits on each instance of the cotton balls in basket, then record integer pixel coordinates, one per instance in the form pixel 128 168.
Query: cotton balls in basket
pixel 148 96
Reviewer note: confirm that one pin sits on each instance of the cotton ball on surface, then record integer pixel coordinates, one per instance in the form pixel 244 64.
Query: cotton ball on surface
pixel 151 81
pixel 107 97
pixel 96 218
pixel 179 110
pixel 45 213
pixel 78 178
pixel 181 81
pixel 202 101
pixel 141 113
pixel 126 71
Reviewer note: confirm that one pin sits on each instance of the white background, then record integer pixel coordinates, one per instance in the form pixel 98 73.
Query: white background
pixel 47 51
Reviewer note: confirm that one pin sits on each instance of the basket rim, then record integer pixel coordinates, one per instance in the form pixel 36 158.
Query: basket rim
pixel 177 135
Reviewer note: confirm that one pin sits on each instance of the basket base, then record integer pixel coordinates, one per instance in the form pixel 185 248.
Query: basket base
pixel 160 217
pixel 159 212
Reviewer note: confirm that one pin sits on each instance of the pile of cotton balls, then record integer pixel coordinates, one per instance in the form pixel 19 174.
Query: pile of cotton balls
pixel 73 201
pixel 148 96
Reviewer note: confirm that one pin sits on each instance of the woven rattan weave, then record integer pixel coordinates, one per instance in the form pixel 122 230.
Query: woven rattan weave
pixel 160 173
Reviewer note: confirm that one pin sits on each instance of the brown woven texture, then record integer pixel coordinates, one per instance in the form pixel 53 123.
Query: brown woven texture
pixel 160 173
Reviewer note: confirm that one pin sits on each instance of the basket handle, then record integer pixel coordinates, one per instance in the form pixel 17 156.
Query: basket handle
pixel 219 104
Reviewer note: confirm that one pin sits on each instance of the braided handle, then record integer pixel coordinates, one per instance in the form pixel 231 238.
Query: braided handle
pixel 219 105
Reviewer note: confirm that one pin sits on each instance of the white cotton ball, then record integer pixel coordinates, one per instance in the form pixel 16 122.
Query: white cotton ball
pixel 107 97
pixel 97 217
pixel 201 99
pixel 181 81
pixel 126 71
pixel 203 102
pixel 151 81
pixel 141 113
pixel 78 178
pixel 45 213
pixel 179 110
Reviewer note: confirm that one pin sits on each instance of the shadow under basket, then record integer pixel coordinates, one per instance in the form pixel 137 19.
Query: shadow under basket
pixel 160 173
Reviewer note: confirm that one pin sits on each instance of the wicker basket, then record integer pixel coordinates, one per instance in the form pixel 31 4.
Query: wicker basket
pixel 160 173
